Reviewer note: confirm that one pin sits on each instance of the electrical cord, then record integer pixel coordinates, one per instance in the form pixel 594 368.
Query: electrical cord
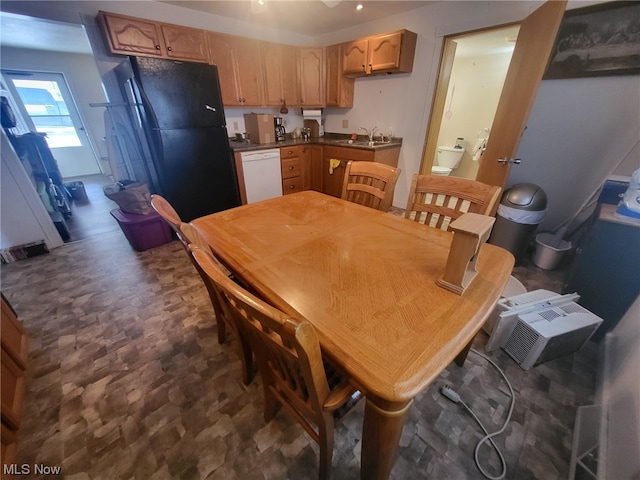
pixel 448 392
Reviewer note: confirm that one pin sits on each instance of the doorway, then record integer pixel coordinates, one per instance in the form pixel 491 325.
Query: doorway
pixel 45 105
pixel 473 68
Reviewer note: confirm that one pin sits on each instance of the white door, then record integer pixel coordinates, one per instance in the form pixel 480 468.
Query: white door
pixel 46 106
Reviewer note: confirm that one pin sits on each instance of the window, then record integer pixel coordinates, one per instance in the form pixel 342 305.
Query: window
pixel 48 111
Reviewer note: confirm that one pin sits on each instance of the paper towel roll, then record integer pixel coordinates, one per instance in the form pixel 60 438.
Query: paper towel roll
pixel 314 113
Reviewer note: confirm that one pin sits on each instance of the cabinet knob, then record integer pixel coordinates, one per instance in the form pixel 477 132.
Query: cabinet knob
pixel 290 168
pixel 291 187
pixel 157 47
pixel 169 49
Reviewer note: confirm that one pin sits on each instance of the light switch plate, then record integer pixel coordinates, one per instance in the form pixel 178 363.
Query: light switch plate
pixel 345 123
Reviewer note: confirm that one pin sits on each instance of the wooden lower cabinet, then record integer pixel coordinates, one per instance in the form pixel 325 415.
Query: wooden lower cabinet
pixel 333 172
pixel 292 165
pixel 13 365
pixel 314 172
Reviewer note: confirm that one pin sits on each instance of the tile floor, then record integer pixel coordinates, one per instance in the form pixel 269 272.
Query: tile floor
pixel 126 380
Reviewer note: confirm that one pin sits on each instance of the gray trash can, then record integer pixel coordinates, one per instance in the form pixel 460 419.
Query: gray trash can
pixel 520 211
pixel 77 191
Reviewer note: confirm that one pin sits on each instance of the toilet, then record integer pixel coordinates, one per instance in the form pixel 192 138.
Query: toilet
pixel 447 159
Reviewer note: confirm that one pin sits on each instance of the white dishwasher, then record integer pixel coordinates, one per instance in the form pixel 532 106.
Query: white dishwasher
pixel 262 174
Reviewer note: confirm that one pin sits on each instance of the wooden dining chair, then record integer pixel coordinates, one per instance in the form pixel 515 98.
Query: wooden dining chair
pixel 290 361
pixel 436 201
pixel 224 318
pixel 370 184
pixel 187 235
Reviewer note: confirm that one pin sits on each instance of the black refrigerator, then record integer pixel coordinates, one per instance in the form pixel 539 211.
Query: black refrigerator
pixel 180 109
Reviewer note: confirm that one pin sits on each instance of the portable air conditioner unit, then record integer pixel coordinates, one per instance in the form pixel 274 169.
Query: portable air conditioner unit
pixel 550 333
pixel 500 324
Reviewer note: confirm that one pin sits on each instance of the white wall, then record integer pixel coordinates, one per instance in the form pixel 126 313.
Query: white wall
pixel 82 76
pixel 579 132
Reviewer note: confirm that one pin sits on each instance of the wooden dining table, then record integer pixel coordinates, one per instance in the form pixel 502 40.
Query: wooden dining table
pixel 366 280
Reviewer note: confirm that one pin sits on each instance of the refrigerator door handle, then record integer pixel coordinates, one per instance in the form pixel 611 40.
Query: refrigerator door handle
pixel 209 107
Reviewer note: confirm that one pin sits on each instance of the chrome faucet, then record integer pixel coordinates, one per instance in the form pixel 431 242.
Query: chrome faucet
pixel 370 132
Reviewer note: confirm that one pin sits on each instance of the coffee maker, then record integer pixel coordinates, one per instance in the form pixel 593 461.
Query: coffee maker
pixel 279 129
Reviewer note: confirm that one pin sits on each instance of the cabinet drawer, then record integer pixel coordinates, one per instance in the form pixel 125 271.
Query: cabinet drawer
pixel 290 167
pixel 291 185
pixel 291 152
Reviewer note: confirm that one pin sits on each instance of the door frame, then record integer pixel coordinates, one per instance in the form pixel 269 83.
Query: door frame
pixel 537 33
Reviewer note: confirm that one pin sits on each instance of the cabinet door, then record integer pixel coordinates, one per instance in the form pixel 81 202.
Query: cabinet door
pixel 280 74
pixel 14 338
pixel 289 74
pixel 249 71
pixel 314 169
pixel 332 181
pixel 332 178
pixel 185 43
pixel 311 77
pixel 339 88
pixel 12 381
pixel 272 58
pixel 354 57
pixel 221 54
pixel 132 35
pixel 384 52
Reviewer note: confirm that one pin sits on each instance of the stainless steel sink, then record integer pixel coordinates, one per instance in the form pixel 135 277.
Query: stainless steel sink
pixel 365 143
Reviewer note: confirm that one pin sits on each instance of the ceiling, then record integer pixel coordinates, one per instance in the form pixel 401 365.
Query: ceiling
pixel 310 17
pixel 26 32
pixel 307 17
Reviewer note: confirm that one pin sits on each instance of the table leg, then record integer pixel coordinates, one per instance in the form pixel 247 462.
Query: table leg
pixel 381 433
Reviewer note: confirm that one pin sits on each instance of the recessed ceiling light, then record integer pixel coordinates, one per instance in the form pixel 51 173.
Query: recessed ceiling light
pixel 359 7
pixel 260 2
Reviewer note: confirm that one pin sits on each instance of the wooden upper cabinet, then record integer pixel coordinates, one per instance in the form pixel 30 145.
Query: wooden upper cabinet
pixel 355 57
pixel 239 68
pixel 339 88
pixel 388 53
pixel 185 43
pixel 127 35
pixel 249 66
pixel 131 36
pixel 312 84
pixel 221 55
pixel 280 74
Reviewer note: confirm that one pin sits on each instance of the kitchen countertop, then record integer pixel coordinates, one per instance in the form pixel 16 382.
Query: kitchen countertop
pixel 338 140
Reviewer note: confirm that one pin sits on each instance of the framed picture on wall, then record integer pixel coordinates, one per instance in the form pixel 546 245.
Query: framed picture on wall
pixel 602 39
